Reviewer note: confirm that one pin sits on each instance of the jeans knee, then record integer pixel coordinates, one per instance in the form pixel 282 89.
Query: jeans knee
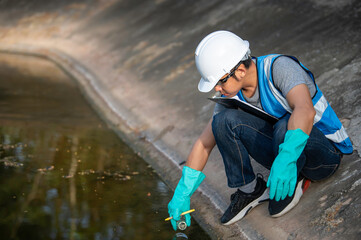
pixel 223 121
pixel 218 123
pixel 279 132
pixel 229 119
pixel 281 126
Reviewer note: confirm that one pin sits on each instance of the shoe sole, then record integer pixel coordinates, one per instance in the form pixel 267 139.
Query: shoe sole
pixel 298 194
pixel 264 197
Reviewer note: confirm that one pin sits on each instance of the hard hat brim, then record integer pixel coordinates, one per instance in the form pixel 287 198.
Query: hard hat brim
pixel 205 86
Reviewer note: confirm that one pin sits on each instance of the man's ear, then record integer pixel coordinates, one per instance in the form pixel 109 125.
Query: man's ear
pixel 241 71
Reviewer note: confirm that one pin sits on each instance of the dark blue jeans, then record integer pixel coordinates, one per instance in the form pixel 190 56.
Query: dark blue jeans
pixel 239 134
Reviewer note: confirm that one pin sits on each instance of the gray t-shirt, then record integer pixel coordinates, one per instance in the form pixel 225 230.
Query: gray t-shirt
pixel 287 74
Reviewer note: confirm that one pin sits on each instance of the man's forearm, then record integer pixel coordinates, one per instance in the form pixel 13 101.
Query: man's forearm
pixel 303 113
pixel 198 157
pixel 303 119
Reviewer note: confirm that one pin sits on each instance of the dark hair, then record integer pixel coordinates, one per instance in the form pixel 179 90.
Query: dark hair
pixel 247 62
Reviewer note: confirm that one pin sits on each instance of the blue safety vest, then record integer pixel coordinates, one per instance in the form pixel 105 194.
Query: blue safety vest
pixel 273 102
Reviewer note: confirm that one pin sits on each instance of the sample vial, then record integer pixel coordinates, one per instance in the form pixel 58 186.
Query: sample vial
pixel 181 223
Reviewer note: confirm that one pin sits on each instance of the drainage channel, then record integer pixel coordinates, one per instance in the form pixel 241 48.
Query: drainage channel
pixel 63 173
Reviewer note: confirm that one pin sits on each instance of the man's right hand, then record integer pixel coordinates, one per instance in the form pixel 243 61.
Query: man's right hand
pixel 176 206
pixel 190 181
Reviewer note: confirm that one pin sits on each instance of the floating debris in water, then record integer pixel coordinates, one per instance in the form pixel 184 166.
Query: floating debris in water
pixel 86 172
pixel 43 170
pixel 127 177
pixel 7 146
pixel 68 176
pixel 121 176
pixel 10 162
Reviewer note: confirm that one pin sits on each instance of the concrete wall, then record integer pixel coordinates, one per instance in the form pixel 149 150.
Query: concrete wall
pixel 134 61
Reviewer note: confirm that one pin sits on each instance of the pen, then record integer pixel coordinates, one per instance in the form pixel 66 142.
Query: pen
pixel 183 213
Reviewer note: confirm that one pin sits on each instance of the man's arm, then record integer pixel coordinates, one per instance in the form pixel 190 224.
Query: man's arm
pixel 283 176
pixel 303 113
pixel 202 148
pixel 192 176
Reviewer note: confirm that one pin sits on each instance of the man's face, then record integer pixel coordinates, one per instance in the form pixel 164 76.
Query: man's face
pixel 231 87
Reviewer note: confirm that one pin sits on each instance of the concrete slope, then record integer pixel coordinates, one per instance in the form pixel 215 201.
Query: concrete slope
pixel 134 60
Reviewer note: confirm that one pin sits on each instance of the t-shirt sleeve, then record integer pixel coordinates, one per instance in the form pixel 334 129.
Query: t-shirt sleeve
pixel 287 74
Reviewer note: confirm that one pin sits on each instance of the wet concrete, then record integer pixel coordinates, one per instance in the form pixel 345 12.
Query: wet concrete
pixel 134 61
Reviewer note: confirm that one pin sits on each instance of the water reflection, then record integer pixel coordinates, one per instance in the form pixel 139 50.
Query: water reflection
pixel 63 173
pixel 180 236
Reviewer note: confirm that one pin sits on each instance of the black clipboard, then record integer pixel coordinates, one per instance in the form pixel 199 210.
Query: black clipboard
pixel 236 104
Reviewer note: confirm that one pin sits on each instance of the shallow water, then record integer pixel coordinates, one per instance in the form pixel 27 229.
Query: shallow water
pixel 63 173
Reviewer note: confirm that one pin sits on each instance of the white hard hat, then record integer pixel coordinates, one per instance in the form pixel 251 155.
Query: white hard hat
pixel 216 55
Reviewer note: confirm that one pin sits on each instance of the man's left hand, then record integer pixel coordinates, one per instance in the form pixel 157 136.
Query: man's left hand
pixel 283 176
pixel 282 179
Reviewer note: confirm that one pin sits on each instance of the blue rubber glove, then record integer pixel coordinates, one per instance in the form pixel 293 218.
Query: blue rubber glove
pixel 190 181
pixel 283 176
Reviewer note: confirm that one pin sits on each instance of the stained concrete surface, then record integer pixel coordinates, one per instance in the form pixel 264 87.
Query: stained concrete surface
pixel 134 60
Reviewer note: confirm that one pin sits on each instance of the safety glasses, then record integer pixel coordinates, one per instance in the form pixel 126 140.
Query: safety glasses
pixel 225 79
